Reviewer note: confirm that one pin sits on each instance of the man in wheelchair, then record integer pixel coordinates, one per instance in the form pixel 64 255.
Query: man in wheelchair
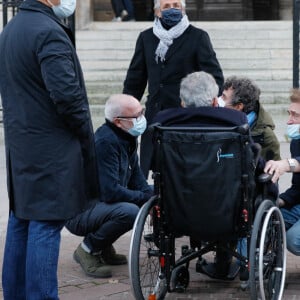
pixel 198 92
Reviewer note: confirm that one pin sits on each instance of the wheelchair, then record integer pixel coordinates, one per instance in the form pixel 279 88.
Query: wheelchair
pixel 206 188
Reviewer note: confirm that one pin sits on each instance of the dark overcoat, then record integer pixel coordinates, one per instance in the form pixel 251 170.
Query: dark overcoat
pixel 190 52
pixel 50 153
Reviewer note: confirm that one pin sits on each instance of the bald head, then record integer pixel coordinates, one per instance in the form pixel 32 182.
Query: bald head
pixel 123 105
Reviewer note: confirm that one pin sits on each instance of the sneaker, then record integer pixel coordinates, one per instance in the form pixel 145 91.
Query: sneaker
pixel 117 19
pixel 212 270
pixel 110 257
pixel 91 264
pixel 124 14
pixel 244 277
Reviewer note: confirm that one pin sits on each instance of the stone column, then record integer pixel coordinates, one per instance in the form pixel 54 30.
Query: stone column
pixel 286 9
pixel 84 13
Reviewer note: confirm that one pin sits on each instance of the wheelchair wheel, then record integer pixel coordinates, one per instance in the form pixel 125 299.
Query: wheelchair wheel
pixel 144 268
pixel 267 253
pixel 180 279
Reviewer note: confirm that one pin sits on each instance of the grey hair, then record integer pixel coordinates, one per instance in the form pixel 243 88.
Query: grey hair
pixel 157 4
pixel 244 91
pixel 112 108
pixel 198 89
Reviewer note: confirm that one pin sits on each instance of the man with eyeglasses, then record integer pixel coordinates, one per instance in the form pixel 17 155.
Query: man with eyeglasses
pixel 123 187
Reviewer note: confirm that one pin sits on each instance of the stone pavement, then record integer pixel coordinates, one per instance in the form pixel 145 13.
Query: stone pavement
pixel 74 285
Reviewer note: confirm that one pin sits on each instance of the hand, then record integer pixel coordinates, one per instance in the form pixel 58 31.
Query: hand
pixel 277 168
pixel 280 202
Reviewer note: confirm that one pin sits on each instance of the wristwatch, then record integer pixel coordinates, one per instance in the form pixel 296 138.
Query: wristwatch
pixel 292 164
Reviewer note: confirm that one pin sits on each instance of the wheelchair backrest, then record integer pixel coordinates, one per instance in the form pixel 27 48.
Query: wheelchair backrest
pixel 205 173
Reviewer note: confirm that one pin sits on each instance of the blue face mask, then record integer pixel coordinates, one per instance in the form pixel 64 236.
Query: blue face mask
pixel 139 126
pixel 251 117
pixel 65 9
pixel 171 17
pixel 293 131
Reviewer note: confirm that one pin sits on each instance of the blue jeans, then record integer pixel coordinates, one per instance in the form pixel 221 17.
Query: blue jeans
pixel 292 223
pixel 30 259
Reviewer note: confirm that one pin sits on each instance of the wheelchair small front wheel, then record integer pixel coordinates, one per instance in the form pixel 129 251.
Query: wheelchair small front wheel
pixel 180 279
pixel 144 268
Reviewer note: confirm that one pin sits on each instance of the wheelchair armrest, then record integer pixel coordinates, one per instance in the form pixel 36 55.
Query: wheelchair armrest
pixel 264 177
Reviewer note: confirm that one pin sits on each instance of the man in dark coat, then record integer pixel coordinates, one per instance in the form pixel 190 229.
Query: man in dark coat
pixel 164 55
pixel 50 153
pixel 124 188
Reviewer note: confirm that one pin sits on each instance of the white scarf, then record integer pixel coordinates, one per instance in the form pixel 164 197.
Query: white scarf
pixel 166 37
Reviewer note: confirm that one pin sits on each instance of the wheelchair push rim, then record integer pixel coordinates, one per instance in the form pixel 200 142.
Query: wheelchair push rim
pixel 147 281
pixel 268 253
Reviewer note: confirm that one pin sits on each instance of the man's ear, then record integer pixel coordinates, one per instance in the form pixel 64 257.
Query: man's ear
pixel 117 122
pixel 215 102
pixel 157 12
pixel 182 103
pixel 239 106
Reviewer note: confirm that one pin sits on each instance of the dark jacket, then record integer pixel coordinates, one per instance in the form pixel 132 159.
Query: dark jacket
pixel 119 172
pixel 219 117
pixel 50 154
pixel 190 52
pixel 262 132
pixel 292 195
pixel 201 116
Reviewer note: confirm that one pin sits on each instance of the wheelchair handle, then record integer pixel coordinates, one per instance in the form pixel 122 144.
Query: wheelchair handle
pixel 265 177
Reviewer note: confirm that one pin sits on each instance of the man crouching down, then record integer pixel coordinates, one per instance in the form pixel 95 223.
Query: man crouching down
pixel 124 188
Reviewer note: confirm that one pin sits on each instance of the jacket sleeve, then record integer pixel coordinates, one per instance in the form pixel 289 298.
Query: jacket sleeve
pixel 136 78
pixel 137 180
pixel 112 190
pixel 207 60
pixel 61 73
pixel 292 195
pixel 271 146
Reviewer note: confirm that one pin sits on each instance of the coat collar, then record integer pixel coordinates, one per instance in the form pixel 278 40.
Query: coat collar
pixel 130 140
pixel 177 43
pixel 37 6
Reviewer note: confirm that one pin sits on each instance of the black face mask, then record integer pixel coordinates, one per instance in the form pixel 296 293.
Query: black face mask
pixel 171 17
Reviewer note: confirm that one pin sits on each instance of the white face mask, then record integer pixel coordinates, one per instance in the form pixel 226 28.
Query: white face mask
pixel 65 9
pixel 138 127
pixel 221 102
pixel 293 131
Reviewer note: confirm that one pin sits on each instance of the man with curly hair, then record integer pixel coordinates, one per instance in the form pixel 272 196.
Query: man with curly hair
pixel 242 94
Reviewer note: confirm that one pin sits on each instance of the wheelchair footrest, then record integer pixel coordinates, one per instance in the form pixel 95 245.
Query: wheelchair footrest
pixel 210 269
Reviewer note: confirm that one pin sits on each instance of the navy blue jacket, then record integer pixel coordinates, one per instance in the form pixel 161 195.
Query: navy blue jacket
pixel 292 195
pixel 119 172
pixel 214 116
pixel 201 116
pixel 49 140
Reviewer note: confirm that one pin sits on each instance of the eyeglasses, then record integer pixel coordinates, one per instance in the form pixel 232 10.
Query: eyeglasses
pixel 138 118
